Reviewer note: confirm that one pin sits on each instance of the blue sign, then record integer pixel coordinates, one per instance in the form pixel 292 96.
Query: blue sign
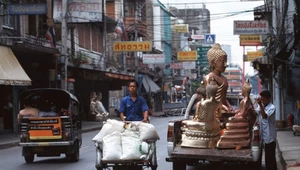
pixel 27 9
pixel 210 38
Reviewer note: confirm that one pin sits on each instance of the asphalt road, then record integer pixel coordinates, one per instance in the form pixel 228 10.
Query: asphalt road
pixel 11 158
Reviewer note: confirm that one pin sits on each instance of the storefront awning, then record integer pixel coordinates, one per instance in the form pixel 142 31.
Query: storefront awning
pixel 150 85
pixel 11 72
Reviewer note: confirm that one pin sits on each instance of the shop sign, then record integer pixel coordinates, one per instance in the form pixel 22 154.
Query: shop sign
pixel 181 28
pixel 132 46
pixel 27 9
pixel 153 58
pixel 176 66
pixel 197 37
pixel 252 55
pixel 187 55
pixel 250 27
pixel 79 11
pixel 250 40
pixel 189 65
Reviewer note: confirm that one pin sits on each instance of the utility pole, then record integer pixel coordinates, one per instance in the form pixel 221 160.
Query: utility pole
pixel 136 38
pixel 104 34
pixel 64 48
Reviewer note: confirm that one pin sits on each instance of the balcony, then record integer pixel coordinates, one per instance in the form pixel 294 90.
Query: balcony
pixel 132 25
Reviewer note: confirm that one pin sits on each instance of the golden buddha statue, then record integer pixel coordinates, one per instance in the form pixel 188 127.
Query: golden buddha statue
pixel 217 59
pixel 237 132
pixel 203 130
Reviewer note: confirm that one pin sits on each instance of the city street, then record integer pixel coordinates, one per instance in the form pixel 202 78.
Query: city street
pixel 11 159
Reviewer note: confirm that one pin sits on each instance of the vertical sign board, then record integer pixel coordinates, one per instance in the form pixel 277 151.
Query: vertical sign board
pixel 202 56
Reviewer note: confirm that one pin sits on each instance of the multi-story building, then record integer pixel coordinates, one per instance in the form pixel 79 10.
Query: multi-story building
pixel 234 77
pixel 227 49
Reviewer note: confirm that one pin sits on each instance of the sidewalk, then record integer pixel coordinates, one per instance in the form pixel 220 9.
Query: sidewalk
pixel 288 146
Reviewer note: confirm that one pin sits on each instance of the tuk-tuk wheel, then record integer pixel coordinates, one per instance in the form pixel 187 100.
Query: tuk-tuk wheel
pixel 75 156
pixel 29 158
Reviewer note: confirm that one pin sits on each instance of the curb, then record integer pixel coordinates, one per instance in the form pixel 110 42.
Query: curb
pixel 282 161
pixel 16 142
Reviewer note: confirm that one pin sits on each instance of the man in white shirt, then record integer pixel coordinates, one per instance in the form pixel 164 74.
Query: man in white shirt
pixel 266 111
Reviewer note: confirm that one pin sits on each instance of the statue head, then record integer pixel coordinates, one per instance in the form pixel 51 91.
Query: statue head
pixel 217 58
pixel 246 89
pixel 212 89
pixel 201 91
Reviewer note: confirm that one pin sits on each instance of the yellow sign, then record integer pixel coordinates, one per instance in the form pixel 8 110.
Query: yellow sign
pixel 187 55
pixel 181 28
pixel 132 46
pixel 250 40
pixel 252 55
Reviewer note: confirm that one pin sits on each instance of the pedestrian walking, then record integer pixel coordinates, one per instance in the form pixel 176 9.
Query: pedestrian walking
pixel 266 111
pixel 133 107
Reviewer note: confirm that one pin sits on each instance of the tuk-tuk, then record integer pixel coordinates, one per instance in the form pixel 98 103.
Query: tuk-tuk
pixel 55 130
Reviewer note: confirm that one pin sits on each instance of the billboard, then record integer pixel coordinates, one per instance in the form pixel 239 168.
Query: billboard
pixel 79 11
pixel 181 28
pixel 153 58
pixel 187 55
pixel 132 46
pixel 250 40
pixel 250 27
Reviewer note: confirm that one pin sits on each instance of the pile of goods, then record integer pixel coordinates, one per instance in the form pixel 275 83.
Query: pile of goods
pixel 126 141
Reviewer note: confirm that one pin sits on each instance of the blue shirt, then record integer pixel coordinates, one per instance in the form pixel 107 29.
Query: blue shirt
pixel 133 110
pixel 268 125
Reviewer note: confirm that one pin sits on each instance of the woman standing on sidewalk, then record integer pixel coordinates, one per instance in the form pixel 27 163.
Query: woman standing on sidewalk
pixel 266 111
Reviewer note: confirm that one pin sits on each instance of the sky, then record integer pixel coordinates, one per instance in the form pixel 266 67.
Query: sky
pixel 223 26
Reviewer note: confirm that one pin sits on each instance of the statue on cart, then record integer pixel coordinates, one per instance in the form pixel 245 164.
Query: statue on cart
pixel 204 130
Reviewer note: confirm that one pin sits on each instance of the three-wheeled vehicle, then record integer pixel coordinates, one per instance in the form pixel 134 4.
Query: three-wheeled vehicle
pixel 57 128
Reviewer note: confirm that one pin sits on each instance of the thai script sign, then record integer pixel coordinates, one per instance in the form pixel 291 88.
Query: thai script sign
pixel 197 37
pixel 27 9
pixel 250 27
pixel 79 11
pixel 176 66
pixel 250 40
pixel 252 55
pixel 153 58
pixel 187 55
pixel 132 46
pixel 181 28
pixel 189 65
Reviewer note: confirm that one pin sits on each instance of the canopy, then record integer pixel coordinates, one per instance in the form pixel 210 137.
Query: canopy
pixel 11 72
pixel 150 85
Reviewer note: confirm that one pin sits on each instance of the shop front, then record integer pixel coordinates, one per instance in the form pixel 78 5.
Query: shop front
pixel 13 79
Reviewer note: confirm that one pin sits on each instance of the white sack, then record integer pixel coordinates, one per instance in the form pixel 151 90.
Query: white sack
pixel 130 146
pixel 108 128
pixel 112 149
pixel 147 132
pixel 105 130
pixel 117 125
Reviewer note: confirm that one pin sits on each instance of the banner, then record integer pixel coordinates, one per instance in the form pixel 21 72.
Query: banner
pixel 252 55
